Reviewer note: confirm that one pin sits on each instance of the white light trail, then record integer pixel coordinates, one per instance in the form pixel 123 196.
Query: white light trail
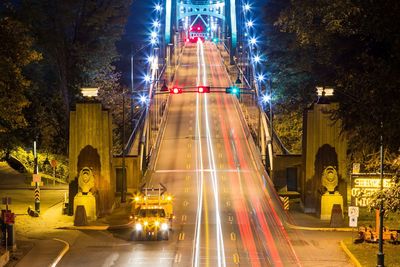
pixel 200 180
pixel 220 238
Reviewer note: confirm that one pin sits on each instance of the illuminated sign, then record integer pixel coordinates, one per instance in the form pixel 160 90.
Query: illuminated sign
pixel 363 186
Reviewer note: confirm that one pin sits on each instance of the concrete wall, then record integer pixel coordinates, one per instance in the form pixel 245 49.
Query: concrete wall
pixel 133 173
pixel 323 145
pixel 281 165
pixel 90 145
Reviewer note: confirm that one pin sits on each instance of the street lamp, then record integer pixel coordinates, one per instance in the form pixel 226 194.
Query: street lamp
pixel 381 255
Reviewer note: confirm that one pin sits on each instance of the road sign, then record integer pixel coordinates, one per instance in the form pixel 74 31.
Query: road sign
pixel 353 221
pixel 6 200
pixel 36 178
pixel 353 211
pixel 53 163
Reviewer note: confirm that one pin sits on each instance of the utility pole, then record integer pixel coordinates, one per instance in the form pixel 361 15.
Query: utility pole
pixel 123 184
pixel 381 255
pixel 36 179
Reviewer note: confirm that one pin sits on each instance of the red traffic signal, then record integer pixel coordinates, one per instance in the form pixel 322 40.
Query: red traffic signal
pixel 175 90
pixel 203 89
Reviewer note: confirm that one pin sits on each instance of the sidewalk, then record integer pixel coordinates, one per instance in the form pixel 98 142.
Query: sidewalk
pixel 315 240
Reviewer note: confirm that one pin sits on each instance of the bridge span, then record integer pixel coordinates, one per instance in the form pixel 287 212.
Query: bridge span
pixel 227 211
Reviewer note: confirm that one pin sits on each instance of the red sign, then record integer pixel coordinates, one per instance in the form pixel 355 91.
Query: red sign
pixel 53 163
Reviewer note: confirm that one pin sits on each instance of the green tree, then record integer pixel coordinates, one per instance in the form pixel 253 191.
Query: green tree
pixel 16 53
pixel 356 51
pixel 77 39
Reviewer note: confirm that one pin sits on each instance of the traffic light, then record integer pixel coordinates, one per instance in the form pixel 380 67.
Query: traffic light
pixel 233 90
pixel 203 89
pixel 175 90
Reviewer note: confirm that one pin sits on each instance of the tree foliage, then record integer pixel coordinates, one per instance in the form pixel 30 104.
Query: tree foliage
pixel 77 40
pixel 389 196
pixel 16 52
pixel 350 45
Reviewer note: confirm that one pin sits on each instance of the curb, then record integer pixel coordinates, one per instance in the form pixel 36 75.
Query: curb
pixel 327 229
pixel 89 227
pixel 62 253
pixel 349 254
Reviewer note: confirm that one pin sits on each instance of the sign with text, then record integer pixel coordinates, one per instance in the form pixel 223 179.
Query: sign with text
pixel 363 186
pixel 353 221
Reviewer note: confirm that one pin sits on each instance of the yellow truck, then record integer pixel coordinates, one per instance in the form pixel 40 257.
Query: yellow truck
pixel 152 214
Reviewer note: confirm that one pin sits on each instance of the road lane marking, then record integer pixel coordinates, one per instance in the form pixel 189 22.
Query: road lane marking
pixel 189 155
pixel 230 218
pixel 189 145
pixel 185 203
pixel 220 155
pixel 223 178
pixel 184 218
pixel 178 257
pixel 181 236
pixel 228 203
pixel 221 165
pixel 233 236
pixel 186 189
pixel 188 177
pixel 187 166
pixel 236 258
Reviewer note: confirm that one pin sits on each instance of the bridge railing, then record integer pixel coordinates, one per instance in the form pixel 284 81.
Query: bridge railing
pixel 253 108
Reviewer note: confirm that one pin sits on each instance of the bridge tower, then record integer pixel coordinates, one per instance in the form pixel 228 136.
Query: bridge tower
pixel 180 15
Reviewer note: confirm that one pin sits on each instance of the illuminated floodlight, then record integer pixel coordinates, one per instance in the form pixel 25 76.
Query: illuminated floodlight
pixel 153 34
pixel 246 7
pixel 257 59
pixel 158 7
pixel 150 59
pixel 249 24
pixel 266 98
pixel 143 99
pixel 260 77
pixel 324 91
pixel 147 78
pixel 156 24
pixel 153 41
pixel 90 91
pixel 253 41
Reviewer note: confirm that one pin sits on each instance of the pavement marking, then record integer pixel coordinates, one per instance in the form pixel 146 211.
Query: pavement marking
pixel 189 155
pixel 228 203
pixel 178 257
pixel 187 166
pixel 181 236
pixel 184 218
pixel 221 165
pixel 185 203
pixel 62 253
pixel 220 155
pixel 189 145
pixel 186 189
pixel 233 236
pixel 230 218
pixel 188 177
pixel 224 189
pixel 223 178
pixel 236 258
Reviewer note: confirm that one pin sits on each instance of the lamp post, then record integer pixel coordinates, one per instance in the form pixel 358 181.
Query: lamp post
pixel 381 255
pixel 270 117
pixel 123 182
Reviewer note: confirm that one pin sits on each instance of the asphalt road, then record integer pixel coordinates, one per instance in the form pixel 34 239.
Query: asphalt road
pixel 227 213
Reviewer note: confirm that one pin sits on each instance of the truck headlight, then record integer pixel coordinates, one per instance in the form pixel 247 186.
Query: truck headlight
pixel 164 226
pixel 138 227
